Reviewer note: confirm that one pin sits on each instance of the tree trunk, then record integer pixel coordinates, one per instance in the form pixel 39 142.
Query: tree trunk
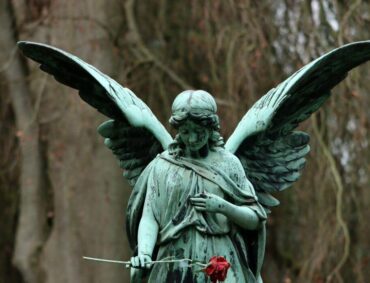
pixel 31 231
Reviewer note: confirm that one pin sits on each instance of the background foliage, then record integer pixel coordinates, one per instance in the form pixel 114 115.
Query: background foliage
pixel 62 195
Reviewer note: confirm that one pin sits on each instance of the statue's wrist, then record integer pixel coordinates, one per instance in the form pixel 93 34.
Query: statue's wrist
pixel 145 253
pixel 223 206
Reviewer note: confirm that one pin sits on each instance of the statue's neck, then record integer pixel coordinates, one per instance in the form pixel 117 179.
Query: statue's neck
pixel 197 154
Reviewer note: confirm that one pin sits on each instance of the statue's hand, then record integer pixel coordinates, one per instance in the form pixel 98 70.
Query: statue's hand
pixel 208 202
pixel 141 261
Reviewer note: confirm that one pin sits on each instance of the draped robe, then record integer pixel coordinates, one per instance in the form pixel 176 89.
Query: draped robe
pixel 166 186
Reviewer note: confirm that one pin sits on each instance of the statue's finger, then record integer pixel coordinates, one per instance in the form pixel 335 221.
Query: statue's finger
pixel 197 200
pixel 200 195
pixel 142 261
pixel 200 208
pixel 148 261
pixel 137 261
pixel 199 205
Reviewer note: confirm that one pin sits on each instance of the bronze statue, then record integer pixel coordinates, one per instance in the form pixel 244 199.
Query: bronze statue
pixel 195 196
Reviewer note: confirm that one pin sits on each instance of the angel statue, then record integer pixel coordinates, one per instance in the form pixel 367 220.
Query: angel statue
pixel 195 196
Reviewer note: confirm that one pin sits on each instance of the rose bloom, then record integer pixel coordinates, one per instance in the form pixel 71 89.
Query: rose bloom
pixel 217 268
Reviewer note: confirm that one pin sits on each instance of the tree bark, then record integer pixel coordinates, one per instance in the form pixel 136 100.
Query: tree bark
pixel 31 229
pixel 89 191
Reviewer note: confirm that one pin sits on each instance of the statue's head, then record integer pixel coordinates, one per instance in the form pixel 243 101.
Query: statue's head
pixel 194 116
pixel 196 105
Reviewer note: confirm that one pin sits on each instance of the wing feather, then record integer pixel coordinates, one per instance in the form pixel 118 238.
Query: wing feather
pixel 136 136
pixel 271 153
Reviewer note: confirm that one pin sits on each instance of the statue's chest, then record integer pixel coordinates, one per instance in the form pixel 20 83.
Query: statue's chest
pixel 185 182
pixel 212 188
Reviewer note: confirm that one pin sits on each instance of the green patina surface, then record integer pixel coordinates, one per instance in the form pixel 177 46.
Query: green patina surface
pixel 194 196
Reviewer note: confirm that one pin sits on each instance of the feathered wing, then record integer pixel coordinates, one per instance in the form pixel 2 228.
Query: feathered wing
pixel 135 136
pixel 271 153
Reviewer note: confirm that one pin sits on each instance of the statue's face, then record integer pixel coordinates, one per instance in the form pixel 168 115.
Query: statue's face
pixel 194 136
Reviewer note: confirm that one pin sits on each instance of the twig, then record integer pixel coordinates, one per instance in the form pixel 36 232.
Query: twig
pixel 128 263
pixel 99 23
pixel 38 100
pixel 10 60
pixel 106 260
pixel 339 199
pixel 345 19
pixel 129 8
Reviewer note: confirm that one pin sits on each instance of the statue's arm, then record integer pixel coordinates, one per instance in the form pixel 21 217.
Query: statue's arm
pixel 148 231
pixel 243 216
pixel 147 235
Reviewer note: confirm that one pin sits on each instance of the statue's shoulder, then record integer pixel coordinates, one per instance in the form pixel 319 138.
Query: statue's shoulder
pixel 161 158
pixel 158 159
pixel 226 155
pixel 163 155
pixel 225 159
pixel 157 165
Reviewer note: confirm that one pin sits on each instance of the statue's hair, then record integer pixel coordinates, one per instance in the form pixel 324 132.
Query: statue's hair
pixel 204 114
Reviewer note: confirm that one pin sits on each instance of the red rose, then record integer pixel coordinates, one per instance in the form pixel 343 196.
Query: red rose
pixel 217 268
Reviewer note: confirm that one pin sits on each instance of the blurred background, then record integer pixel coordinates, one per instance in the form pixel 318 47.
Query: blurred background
pixel 62 194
